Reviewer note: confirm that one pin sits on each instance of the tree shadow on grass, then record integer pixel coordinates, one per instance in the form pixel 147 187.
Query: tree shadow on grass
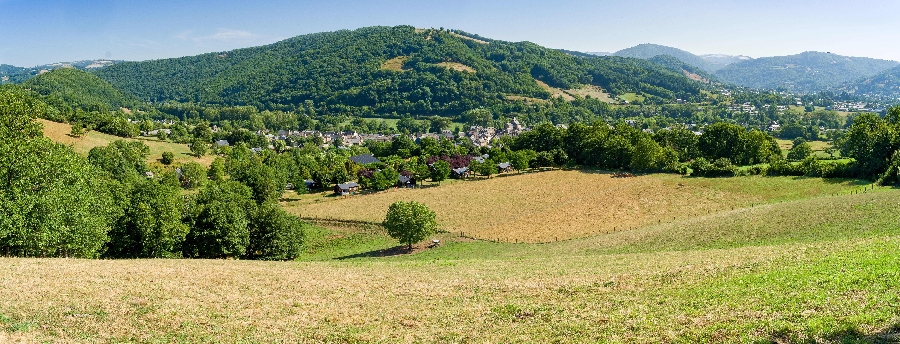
pixel 848 334
pixel 388 252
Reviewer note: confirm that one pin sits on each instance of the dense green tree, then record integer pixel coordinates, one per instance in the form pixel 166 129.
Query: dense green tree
pixel 193 175
pixel 220 218
pixel 520 160
pixel 199 147
pixel 871 141
pixel 275 234
pixel 151 225
pixel 409 222
pixel 647 155
pixel 216 172
pixel 722 140
pixel 53 203
pixel 167 158
pixel 440 171
pixel 123 160
pixel 800 150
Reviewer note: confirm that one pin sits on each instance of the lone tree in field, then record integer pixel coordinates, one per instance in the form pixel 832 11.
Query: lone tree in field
pixel 409 222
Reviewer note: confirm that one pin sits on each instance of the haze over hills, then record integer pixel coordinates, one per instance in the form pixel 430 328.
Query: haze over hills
pixel 14 74
pixel 385 70
pixel 806 72
pixel 647 51
pixel 724 60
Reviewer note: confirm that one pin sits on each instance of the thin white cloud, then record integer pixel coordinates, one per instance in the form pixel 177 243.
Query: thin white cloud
pixel 228 35
pixel 222 35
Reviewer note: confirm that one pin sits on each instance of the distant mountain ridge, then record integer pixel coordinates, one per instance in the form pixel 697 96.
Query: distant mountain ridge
pixel 806 72
pixel 13 74
pixel 648 51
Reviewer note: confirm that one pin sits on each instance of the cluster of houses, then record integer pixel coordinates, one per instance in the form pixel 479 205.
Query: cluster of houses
pixel 403 181
pixel 479 136
pixel 853 107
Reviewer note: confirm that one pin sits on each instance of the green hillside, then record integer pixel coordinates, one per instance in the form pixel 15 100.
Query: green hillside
pixel 10 74
pixel 886 83
pixel 805 72
pixel 382 70
pixel 648 51
pixel 674 64
pixel 68 87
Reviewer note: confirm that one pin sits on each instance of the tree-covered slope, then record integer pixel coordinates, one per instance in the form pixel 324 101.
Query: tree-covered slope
pixel 8 73
pixel 68 87
pixel 678 66
pixel 805 72
pixel 886 83
pixel 648 51
pixel 382 70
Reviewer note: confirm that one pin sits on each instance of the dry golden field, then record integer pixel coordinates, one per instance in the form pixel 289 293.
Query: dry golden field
pixel 59 132
pixel 811 269
pixel 557 205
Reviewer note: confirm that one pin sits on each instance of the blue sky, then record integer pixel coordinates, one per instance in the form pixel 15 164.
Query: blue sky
pixel 34 32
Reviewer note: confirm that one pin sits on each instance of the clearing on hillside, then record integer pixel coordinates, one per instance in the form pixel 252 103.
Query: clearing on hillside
pixel 554 92
pixel 457 67
pixel 592 91
pixel 695 77
pixel 60 132
pixel 469 38
pixel 395 64
pixel 557 205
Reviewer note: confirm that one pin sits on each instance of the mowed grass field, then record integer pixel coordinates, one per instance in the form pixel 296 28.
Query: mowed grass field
pixel 60 132
pixel 813 269
pixel 559 205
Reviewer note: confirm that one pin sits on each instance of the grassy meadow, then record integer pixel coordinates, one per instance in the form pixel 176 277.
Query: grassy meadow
pixel 60 132
pixel 795 260
pixel 558 205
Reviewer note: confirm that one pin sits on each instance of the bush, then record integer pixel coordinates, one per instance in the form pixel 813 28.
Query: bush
pixel 167 158
pixel 783 167
pixel 719 168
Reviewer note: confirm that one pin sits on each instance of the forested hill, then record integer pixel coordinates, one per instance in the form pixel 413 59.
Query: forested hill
pixel 8 72
pixel 678 66
pixel 805 72
pixel 648 51
pixel 886 83
pixel 382 70
pixel 72 88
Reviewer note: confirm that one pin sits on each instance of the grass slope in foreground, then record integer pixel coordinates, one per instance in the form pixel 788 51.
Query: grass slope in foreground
pixel 816 268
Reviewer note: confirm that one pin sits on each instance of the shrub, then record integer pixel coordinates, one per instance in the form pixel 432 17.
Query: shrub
pixel 719 168
pixel 167 158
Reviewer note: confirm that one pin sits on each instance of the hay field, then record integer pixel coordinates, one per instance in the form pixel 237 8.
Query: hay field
pixel 59 132
pixel 840 284
pixel 557 205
